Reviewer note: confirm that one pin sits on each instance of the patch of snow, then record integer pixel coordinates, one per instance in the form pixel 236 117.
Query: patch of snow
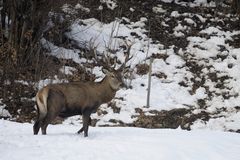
pixel 3 112
pixel 97 35
pixel 175 14
pixel 22 82
pixel 201 18
pixel 195 3
pixel 221 123
pixel 167 1
pixel 132 9
pixel 45 82
pixel 164 96
pixel 201 93
pixel 67 70
pixel 175 60
pixel 68 9
pixel 158 9
pixel 79 6
pixel 111 4
pixel 190 21
pixel 98 72
pixel 179 27
pixel 164 24
pixel 178 34
pixel 61 52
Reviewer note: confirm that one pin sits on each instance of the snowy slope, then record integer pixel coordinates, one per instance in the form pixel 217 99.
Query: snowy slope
pixel 201 75
pixel 167 93
pixel 17 142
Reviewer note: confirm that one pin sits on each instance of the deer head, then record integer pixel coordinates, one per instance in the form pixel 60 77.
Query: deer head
pixel 115 76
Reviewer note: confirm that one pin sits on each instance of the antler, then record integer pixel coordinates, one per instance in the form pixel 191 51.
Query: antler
pixel 127 58
pixel 105 60
pixel 110 63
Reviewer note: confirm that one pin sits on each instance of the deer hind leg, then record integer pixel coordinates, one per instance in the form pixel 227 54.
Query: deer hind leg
pixel 51 115
pixel 37 123
pixel 36 127
pixel 55 103
pixel 44 128
pixel 47 120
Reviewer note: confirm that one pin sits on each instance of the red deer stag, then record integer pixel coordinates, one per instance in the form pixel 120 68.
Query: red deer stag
pixel 77 98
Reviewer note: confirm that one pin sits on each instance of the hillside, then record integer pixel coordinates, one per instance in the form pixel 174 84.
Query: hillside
pixel 195 71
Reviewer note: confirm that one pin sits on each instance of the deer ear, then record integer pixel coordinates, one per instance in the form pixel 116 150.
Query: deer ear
pixel 105 71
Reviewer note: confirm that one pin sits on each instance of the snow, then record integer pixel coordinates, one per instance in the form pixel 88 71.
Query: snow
pixel 195 3
pixel 68 10
pixel 3 111
pixel 79 6
pixel 111 4
pixel 190 21
pixel 67 70
pixel 18 142
pixel 45 82
pixel 158 9
pixel 97 35
pixel 175 14
pixel 61 52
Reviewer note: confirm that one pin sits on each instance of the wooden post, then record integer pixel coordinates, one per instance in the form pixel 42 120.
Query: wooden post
pixel 149 82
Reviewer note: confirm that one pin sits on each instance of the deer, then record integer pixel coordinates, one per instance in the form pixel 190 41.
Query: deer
pixel 78 98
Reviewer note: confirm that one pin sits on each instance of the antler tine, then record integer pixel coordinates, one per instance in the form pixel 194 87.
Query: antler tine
pixel 107 62
pixel 115 63
pixel 127 58
pixel 96 57
pixel 99 61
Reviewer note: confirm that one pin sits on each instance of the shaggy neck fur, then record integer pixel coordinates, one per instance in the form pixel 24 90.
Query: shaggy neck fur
pixel 108 92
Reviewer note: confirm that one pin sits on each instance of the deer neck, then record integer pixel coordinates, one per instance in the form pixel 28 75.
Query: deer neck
pixel 107 92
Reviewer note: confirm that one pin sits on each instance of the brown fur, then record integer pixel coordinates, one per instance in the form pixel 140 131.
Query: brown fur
pixel 77 98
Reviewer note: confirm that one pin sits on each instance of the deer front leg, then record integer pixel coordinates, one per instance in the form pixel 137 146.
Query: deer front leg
pixel 86 120
pixel 82 129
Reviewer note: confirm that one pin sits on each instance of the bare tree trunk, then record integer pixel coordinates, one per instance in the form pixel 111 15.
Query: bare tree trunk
pixel 3 14
pixel 236 6
pixel 26 20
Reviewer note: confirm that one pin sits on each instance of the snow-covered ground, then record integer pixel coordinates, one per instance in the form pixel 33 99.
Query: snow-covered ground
pixel 17 142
